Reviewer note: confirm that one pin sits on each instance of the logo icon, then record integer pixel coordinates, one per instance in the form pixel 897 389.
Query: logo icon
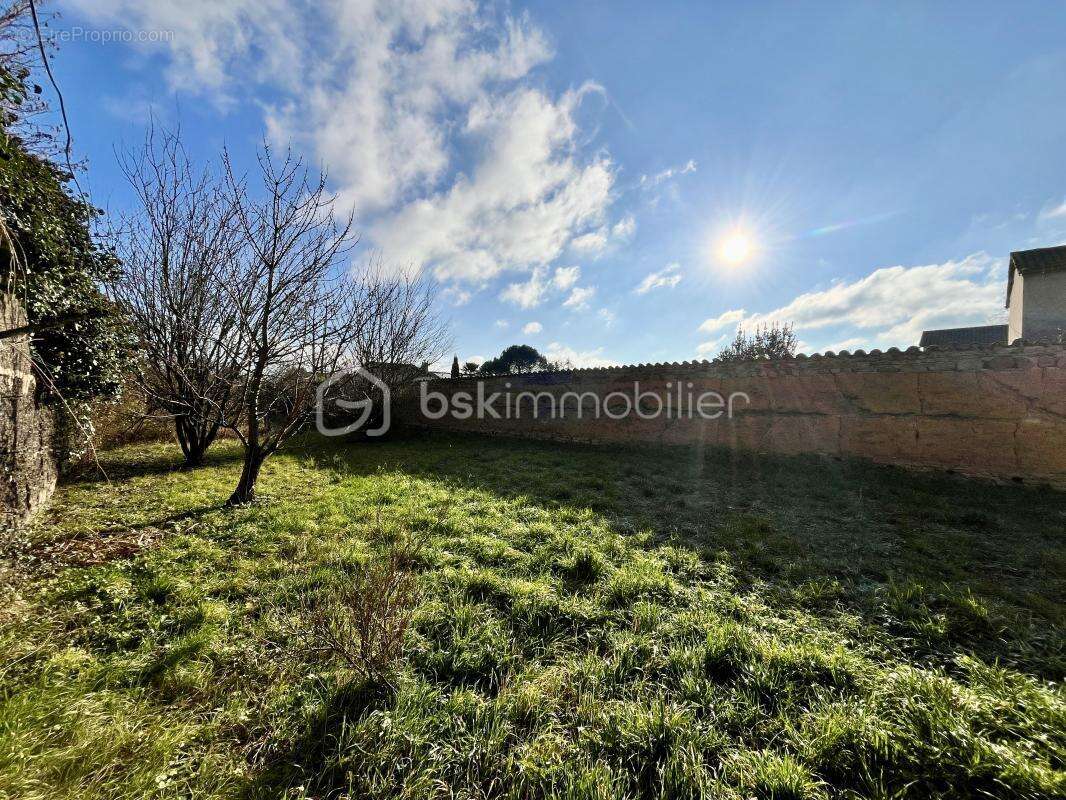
pixel 366 405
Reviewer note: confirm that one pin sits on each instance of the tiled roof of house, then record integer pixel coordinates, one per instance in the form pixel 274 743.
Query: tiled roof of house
pixel 980 335
pixel 1043 259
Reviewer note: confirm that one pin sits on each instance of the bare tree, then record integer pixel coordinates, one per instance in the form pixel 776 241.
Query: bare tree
pixel 402 333
pixel 173 247
pixel 400 337
pixel 298 309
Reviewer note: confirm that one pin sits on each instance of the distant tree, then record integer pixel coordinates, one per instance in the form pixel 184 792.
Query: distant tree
pixel 774 341
pixel 470 367
pixel 455 366
pixel 514 359
pixel 401 336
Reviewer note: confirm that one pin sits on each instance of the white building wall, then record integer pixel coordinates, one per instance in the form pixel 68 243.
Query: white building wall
pixel 1016 307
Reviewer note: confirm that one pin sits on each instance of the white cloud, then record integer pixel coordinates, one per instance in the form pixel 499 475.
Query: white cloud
pixel 625 227
pixel 723 320
pixel 590 243
pixel 529 293
pixel 457 296
pixel 667 278
pixel 525 201
pixel 854 343
pixel 893 305
pixel 502 323
pixel 1052 211
pixel 711 348
pixel 373 107
pixel 579 297
pixel 565 277
pixel 424 113
pixel 890 307
pixel 577 358
pixel 595 242
pixel 532 328
pixel 668 174
pixel 210 41
pixel 608 316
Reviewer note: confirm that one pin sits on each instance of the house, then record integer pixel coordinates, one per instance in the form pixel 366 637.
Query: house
pixel 1036 304
pixel 399 372
pixel 978 336
pixel 1036 294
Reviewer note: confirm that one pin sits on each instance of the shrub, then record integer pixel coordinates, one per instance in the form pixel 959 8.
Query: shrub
pixel 363 621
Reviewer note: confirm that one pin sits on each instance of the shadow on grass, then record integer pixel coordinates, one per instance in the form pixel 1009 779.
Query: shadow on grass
pixel 158 459
pixel 313 759
pixel 947 563
pixel 940 562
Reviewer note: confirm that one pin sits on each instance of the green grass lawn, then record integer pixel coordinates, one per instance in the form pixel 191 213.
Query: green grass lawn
pixel 592 623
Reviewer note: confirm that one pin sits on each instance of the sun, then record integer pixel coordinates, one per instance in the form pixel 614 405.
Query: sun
pixel 736 247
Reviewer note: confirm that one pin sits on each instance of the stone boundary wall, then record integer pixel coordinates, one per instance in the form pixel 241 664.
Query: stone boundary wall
pixel 28 469
pixel 998 412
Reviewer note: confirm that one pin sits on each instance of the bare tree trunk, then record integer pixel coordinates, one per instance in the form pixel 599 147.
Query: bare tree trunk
pixel 254 453
pixel 245 491
pixel 181 430
pixel 195 438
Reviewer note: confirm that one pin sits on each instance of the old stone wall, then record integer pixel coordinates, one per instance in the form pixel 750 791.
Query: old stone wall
pixel 998 412
pixel 27 465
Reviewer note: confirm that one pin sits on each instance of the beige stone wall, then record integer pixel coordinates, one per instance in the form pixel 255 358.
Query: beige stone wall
pixel 27 466
pixel 998 412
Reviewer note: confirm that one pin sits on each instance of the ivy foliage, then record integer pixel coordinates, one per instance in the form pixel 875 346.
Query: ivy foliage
pixel 51 261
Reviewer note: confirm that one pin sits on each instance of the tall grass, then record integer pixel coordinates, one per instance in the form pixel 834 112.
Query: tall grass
pixel 575 623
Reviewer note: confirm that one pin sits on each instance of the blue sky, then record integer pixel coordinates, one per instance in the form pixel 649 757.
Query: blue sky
pixel 569 171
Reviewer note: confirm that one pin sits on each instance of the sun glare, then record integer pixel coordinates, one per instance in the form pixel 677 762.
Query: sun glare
pixel 736 247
